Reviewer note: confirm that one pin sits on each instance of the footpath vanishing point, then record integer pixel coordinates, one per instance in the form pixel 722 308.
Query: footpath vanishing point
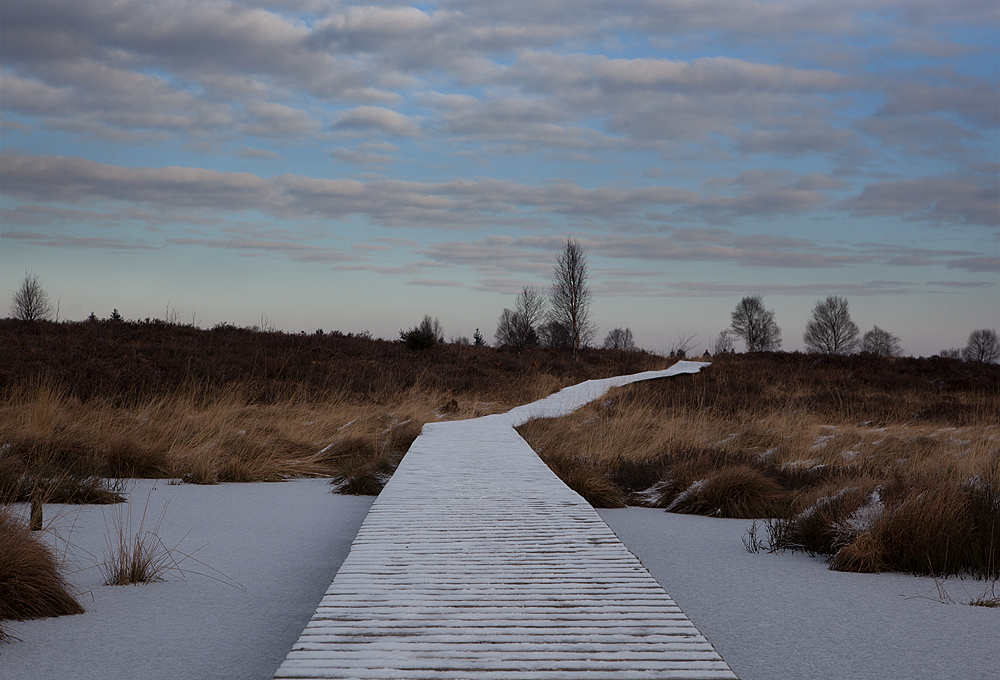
pixel 477 562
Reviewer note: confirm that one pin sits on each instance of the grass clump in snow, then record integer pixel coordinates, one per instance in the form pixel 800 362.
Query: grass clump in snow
pixel 365 463
pixel 877 464
pixel 31 586
pixel 134 555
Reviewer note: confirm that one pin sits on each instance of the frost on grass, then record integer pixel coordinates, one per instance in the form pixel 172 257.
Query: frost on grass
pixel 861 520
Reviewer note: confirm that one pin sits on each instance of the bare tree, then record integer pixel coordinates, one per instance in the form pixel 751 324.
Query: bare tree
pixel 554 334
pixel 723 343
pixel 620 338
pixel 950 353
pixel 756 325
pixel 831 331
pixel 571 296
pixel 683 345
pixel 509 330
pixel 881 343
pixel 519 328
pixel 983 345
pixel 30 302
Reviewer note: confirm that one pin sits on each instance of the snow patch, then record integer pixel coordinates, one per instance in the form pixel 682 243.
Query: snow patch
pixel 687 494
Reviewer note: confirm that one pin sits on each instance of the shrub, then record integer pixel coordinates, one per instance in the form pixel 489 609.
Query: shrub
pixel 416 340
pixel 30 584
pixel 424 335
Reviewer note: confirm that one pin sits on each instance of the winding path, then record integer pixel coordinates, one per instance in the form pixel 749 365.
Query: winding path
pixel 476 561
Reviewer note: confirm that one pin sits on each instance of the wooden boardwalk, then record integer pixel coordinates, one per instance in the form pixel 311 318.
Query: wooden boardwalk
pixel 476 561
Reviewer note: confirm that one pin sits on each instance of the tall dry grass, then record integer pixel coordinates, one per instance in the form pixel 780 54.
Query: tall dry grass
pixel 881 465
pixel 204 437
pixel 86 402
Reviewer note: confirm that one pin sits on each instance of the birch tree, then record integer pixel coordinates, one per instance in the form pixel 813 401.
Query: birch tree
pixel 570 296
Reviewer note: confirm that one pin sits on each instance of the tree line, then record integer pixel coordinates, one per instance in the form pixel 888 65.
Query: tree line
pixel 563 320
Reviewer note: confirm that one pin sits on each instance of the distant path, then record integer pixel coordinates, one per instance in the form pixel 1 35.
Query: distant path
pixel 476 561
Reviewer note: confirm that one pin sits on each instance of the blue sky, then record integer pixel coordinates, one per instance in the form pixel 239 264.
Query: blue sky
pixel 354 166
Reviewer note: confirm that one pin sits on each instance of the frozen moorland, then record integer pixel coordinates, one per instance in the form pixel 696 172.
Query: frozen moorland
pixel 786 616
pixel 264 554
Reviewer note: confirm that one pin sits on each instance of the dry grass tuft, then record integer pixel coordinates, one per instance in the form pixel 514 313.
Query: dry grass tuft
pixel 736 491
pixel 989 599
pixel 923 526
pixel 365 463
pixel 134 556
pixel 30 584
pixel 591 484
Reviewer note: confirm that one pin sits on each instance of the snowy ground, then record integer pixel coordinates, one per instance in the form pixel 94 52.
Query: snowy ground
pixel 282 543
pixel 772 617
pixel 786 616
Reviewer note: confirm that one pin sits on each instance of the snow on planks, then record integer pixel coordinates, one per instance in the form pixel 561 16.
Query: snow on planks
pixel 476 561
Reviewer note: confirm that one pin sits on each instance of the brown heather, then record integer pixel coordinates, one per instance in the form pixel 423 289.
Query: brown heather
pixel 879 464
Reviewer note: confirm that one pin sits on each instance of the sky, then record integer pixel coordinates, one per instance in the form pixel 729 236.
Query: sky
pixel 306 164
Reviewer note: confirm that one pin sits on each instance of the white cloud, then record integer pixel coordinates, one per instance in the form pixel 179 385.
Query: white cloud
pixel 378 119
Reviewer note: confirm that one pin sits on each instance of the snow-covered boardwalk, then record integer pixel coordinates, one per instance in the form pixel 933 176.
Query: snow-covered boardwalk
pixel 476 561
